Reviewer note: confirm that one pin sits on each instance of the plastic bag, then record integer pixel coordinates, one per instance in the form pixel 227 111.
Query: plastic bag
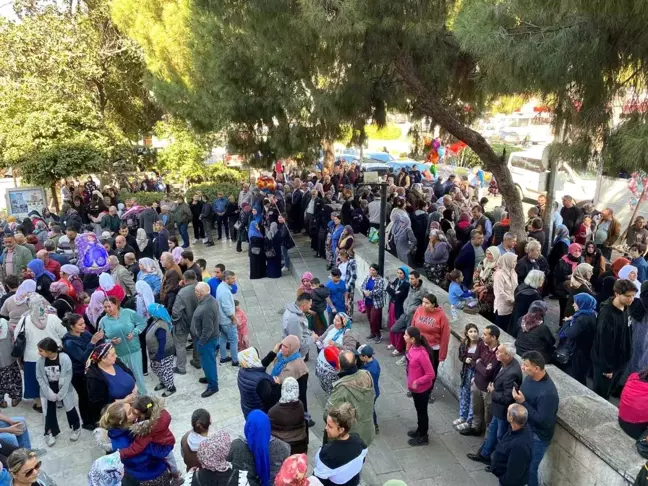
pixel 374 235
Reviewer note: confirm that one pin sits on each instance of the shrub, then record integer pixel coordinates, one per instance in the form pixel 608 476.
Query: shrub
pixel 142 198
pixel 211 190
pixel 219 173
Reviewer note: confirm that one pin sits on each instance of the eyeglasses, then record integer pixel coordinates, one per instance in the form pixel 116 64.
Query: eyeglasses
pixel 37 467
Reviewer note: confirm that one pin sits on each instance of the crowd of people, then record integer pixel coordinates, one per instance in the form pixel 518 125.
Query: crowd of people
pixel 86 340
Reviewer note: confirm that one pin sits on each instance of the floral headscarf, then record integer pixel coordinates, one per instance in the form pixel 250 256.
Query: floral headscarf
pixel 25 289
pixel 59 288
pixel 106 471
pixel 249 358
pixel 38 310
pixel 535 316
pixel 213 451
pixel 289 390
pixel 96 306
pixel 293 471
pixel 99 353
pixel 150 266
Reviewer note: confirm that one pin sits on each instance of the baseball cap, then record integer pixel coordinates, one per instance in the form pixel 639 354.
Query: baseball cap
pixel 366 350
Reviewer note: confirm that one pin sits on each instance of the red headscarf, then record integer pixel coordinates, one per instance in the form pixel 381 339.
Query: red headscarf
pixel 618 264
pixel 293 471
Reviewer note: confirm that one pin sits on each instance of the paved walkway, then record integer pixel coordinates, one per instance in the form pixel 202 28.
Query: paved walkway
pixel 441 463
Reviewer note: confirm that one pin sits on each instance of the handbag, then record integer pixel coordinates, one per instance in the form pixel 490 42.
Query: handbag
pixel 18 350
pixel 237 225
pixel 362 307
pixel 255 250
pixel 562 355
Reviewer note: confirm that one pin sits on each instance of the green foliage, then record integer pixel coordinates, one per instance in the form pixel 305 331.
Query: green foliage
pixel 627 146
pixel 71 92
pixel 142 198
pixel 221 174
pixel 211 190
pixel 184 158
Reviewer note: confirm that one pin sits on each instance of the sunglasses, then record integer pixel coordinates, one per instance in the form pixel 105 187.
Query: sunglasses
pixel 37 467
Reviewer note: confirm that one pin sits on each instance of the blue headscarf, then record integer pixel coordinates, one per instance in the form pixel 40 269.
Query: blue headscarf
pixel 257 434
pixel 254 231
pixel 158 311
pixel 586 307
pixel 562 234
pixel 405 271
pixel 37 267
pixel 346 324
pixel 292 344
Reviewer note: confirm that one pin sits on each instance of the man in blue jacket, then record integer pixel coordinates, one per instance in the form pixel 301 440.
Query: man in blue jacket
pixel 512 455
pixel 220 205
pixel 470 255
pixel 227 319
pixel 369 363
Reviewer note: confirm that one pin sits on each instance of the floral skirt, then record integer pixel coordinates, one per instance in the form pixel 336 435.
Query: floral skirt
pixel 11 381
pixel 436 273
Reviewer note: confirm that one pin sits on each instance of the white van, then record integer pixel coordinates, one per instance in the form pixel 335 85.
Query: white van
pixel 530 176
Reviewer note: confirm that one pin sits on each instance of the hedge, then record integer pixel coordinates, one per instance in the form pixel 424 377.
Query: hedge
pixel 142 198
pixel 212 190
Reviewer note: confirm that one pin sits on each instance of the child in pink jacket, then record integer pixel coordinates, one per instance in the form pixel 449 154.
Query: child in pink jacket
pixel 241 327
pixel 420 381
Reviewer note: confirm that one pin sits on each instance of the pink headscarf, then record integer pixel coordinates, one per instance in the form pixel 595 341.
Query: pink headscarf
pixel 177 254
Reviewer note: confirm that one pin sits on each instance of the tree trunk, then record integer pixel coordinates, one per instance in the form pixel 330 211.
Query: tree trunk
pixel 329 155
pixel 634 214
pixel 492 162
pixel 55 197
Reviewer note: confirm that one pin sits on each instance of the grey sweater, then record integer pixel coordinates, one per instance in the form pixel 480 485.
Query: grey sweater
pixel 204 324
pixel 147 218
pixel 241 458
pixel 183 309
pixel 295 322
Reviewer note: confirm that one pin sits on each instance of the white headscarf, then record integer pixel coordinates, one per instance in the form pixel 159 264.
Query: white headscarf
pixel 142 239
pixel 289 390
pixel 489 267
pixel 144 298
pixel 624 274
pixel 106 282
pixel 148 265
pixel 25 289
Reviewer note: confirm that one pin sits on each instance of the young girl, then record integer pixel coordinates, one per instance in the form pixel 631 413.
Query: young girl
pixel 467 351
pixel 200 422
pixel 241 326
pixel 160 347
pixel 202 263
pixel 54 375
pixel 152 423
pixel 456 293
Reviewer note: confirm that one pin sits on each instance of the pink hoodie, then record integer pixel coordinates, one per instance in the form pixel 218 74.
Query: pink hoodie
pixel 419 370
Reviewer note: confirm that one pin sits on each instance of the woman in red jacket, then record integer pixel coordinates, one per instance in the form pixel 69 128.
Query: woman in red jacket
pixel 433 323
pixel 420 381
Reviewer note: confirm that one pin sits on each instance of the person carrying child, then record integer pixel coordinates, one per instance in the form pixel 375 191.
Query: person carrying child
pixel 54 376
pixel 316 316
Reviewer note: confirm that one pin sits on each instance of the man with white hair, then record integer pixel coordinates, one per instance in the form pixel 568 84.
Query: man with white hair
pixel 512 457
pixel 121 275
pixel 168 219
pixel 205 333
pixel 501 390
pixel 508 243
pixel 245 195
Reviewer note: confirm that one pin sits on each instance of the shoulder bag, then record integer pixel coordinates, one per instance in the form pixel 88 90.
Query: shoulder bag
pixel 18 350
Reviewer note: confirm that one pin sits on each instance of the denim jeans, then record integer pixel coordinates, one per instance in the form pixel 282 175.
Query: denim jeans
pixel 207 354
pixel 183 229
pixel 496 430
pixel 538 452
pixel 285 256
pixel 21 440
pixel 229 334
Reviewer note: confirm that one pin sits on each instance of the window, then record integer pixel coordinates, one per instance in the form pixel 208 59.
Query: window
pixel 526 163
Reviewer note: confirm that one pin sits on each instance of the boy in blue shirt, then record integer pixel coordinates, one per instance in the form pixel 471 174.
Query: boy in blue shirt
pixel 369 363
pixel 337 298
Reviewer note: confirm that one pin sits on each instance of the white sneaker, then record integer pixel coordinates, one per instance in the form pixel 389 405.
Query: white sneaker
pixel 74 436
pixel 402 361
pixel 285 269
pixel 390 347
pixel 50 440
pixel 205 240
pixel 396 352
pixel 195 242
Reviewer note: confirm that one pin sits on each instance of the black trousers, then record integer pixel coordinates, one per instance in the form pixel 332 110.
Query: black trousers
pixel 81 387
pixel 220 221
pixel 421 406
pixel 142 340
pixel 633 430
pixel 603 386
pixel 51 422
pixel 198 228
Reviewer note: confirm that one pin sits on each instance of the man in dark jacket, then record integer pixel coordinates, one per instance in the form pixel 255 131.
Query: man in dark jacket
pixel 486 369
pixel 182 313
pixel 469 257
pixel 160 240
pixel 147 218
pixel 196 211
pixel 613 341
pixel 206 333
pixel 207 216
pixel 512 457
pixel 532 261
pixel 501 390
pixel 570 214
pixel 183 217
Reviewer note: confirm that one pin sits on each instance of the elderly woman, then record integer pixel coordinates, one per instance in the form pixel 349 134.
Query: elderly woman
pixel 483 282
pixel 287 361
pixel 108 286
pixel 122 328
pixel 534 334
pixel 257 388
pixel 403 237
pixel 337 334
pixel 107 470
pixel 260 454
pixel 577 337
pixel 256 248
pixel 346 240
pixel 161 348
pixel 70 277
pixel 144 247
pixel 38 323
pixel 150 272
pixel 273 245
pixel 15 306
pixel 505 281
pixel 579 283
pixel 62 302
pixel 215 470
pixel 42 277
pixel 559 249
pixel 562 274
pixel 533 260
pixel 108 381
pixel 437 255
pixel 287 418
pixel 525 294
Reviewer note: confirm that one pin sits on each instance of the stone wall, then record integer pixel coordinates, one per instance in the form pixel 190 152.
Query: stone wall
pixel 589 448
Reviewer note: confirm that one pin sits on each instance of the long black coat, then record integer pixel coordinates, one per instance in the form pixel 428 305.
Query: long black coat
pixel 524 297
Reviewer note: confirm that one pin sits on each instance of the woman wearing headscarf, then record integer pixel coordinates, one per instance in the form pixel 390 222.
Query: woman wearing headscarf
pixel 257 388
pixel 505 281
pixel 108 470
pixel 328 367
pixel 10 377
pixel 577 336
pixel 562 273
pixel 144 248
pixel 62 302
pixel 287 418
pixel 215 470
pixel 559 249
pixel 150 272
pixel 305 286
pixel 260 454
pixel 161 348
pixel 122 328
pixel 447 221
pixel 337 334
pixel 108 286
pixel 70 277
pixel 593 256
pixel 526 294
pixel 630 272
pixel 177 254
pixel 534 334
pixel 256 250
pixel 483 282
pixel 404 238
pixel 580 282
pixel 273 245
pixel 15 306
pixel 294 472
pixel 437 254
pixel 42 277
pixel 335 230
pixel 463 228
pixel 397 290
pixel 346 240
pixel 39 322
